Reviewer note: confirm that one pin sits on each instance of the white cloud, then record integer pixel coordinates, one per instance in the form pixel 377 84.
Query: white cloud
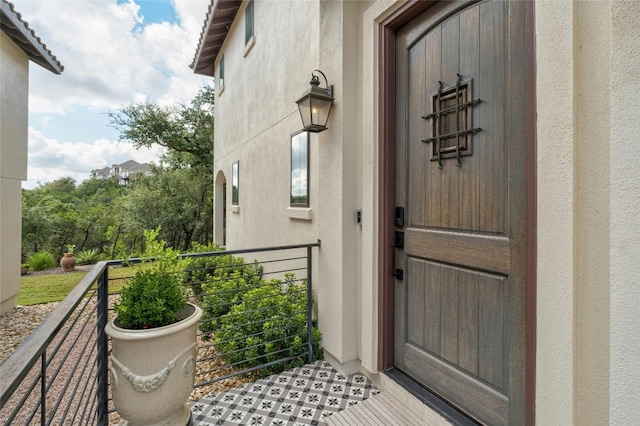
pixel 111 59
pixel 45 121
pixel 50 159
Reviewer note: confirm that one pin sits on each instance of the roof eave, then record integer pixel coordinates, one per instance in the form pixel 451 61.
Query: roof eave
pixel 220 17
pixel 26 39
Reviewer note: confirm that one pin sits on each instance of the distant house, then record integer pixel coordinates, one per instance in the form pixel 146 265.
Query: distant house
pixel 18 45
pixel 476 191
pixel 121 172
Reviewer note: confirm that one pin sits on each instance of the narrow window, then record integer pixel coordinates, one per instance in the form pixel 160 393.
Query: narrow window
pixel 221 73
pixel 300 169
pixel 234 184
pixel 248 22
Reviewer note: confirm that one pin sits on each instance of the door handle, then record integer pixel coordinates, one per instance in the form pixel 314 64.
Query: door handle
pixel 399 239
pixel 397 273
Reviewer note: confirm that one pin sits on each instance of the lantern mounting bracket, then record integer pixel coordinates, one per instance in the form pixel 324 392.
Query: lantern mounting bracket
pixel 315 81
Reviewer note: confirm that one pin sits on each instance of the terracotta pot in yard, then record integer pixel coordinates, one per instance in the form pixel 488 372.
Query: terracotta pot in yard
pixel 68 262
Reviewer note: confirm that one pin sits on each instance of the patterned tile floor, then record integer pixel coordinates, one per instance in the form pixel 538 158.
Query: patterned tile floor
pixel 303 396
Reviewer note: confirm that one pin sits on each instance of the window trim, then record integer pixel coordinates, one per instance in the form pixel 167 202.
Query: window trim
pixel 235 184
pixel 300 213
pixel 249 30
pixel 249 46
pixel 307 203
pixel 220 81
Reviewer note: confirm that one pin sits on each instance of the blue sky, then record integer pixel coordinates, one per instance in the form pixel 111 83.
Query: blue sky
pixel 156 10
pixel 115 52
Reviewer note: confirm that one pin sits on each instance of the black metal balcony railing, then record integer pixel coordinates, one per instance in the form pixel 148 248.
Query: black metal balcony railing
pixel 257 316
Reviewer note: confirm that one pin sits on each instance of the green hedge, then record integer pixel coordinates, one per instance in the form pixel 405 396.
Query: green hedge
pixel 218 283
pixel 251 321
pixel 41 260
pixel 270 323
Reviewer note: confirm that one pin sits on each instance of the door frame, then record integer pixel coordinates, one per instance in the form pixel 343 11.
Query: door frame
pixel 386 191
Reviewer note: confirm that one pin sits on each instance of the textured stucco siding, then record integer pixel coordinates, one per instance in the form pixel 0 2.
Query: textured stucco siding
pixel 555 169
pixel 14 70
pixel 587 56
pixel 14 88
pixel 624 200
pixel 255 115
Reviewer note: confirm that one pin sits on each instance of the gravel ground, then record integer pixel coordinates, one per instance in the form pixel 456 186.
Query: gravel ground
pixel 58 271
pixel 17 324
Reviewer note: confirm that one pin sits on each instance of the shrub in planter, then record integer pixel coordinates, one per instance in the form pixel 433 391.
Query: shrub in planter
pixel 269 324
pixel 153 340
pixel 153 296
pixel 41 260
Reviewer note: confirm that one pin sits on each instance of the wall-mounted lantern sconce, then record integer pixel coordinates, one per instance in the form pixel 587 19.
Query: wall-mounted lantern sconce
pixel 315 104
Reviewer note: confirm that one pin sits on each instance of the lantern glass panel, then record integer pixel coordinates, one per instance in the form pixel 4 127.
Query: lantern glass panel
pixel 320 111
pixel 304 105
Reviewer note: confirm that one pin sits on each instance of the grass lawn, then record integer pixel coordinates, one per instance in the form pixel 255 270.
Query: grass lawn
pixel 53 288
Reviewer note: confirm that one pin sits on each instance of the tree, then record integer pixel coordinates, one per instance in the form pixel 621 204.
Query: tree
pixel 177 200
pixel 37 225
pixel 178 197
pixel 186 130
pixel 48 219
pixel 59 213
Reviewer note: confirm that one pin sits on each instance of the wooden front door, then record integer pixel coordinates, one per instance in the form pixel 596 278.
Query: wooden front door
pixel 460 299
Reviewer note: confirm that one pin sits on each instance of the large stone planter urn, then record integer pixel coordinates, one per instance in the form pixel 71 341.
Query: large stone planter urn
pixel 152 371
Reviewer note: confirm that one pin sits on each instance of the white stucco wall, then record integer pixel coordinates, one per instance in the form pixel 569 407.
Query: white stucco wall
pixel 364 116
pixel 591 208
pixel 588 343
pixel 555 170
pixel 14 88
pixel 255 115
pixel 371 14
pixel 337 299
pixel 624 201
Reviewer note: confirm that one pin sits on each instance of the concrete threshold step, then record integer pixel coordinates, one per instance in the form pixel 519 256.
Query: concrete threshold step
pixel 382 409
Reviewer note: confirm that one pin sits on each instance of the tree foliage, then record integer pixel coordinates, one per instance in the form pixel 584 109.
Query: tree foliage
pixel 186 130
pixel 59 213
pixel 104 216
pixel 180 201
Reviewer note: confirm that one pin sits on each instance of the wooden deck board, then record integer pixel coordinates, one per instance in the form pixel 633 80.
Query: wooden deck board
pixel 382 410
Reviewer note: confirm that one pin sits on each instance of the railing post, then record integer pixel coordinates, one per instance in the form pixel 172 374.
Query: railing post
pixel 103 351
pixel 43 388
pixel 309 308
